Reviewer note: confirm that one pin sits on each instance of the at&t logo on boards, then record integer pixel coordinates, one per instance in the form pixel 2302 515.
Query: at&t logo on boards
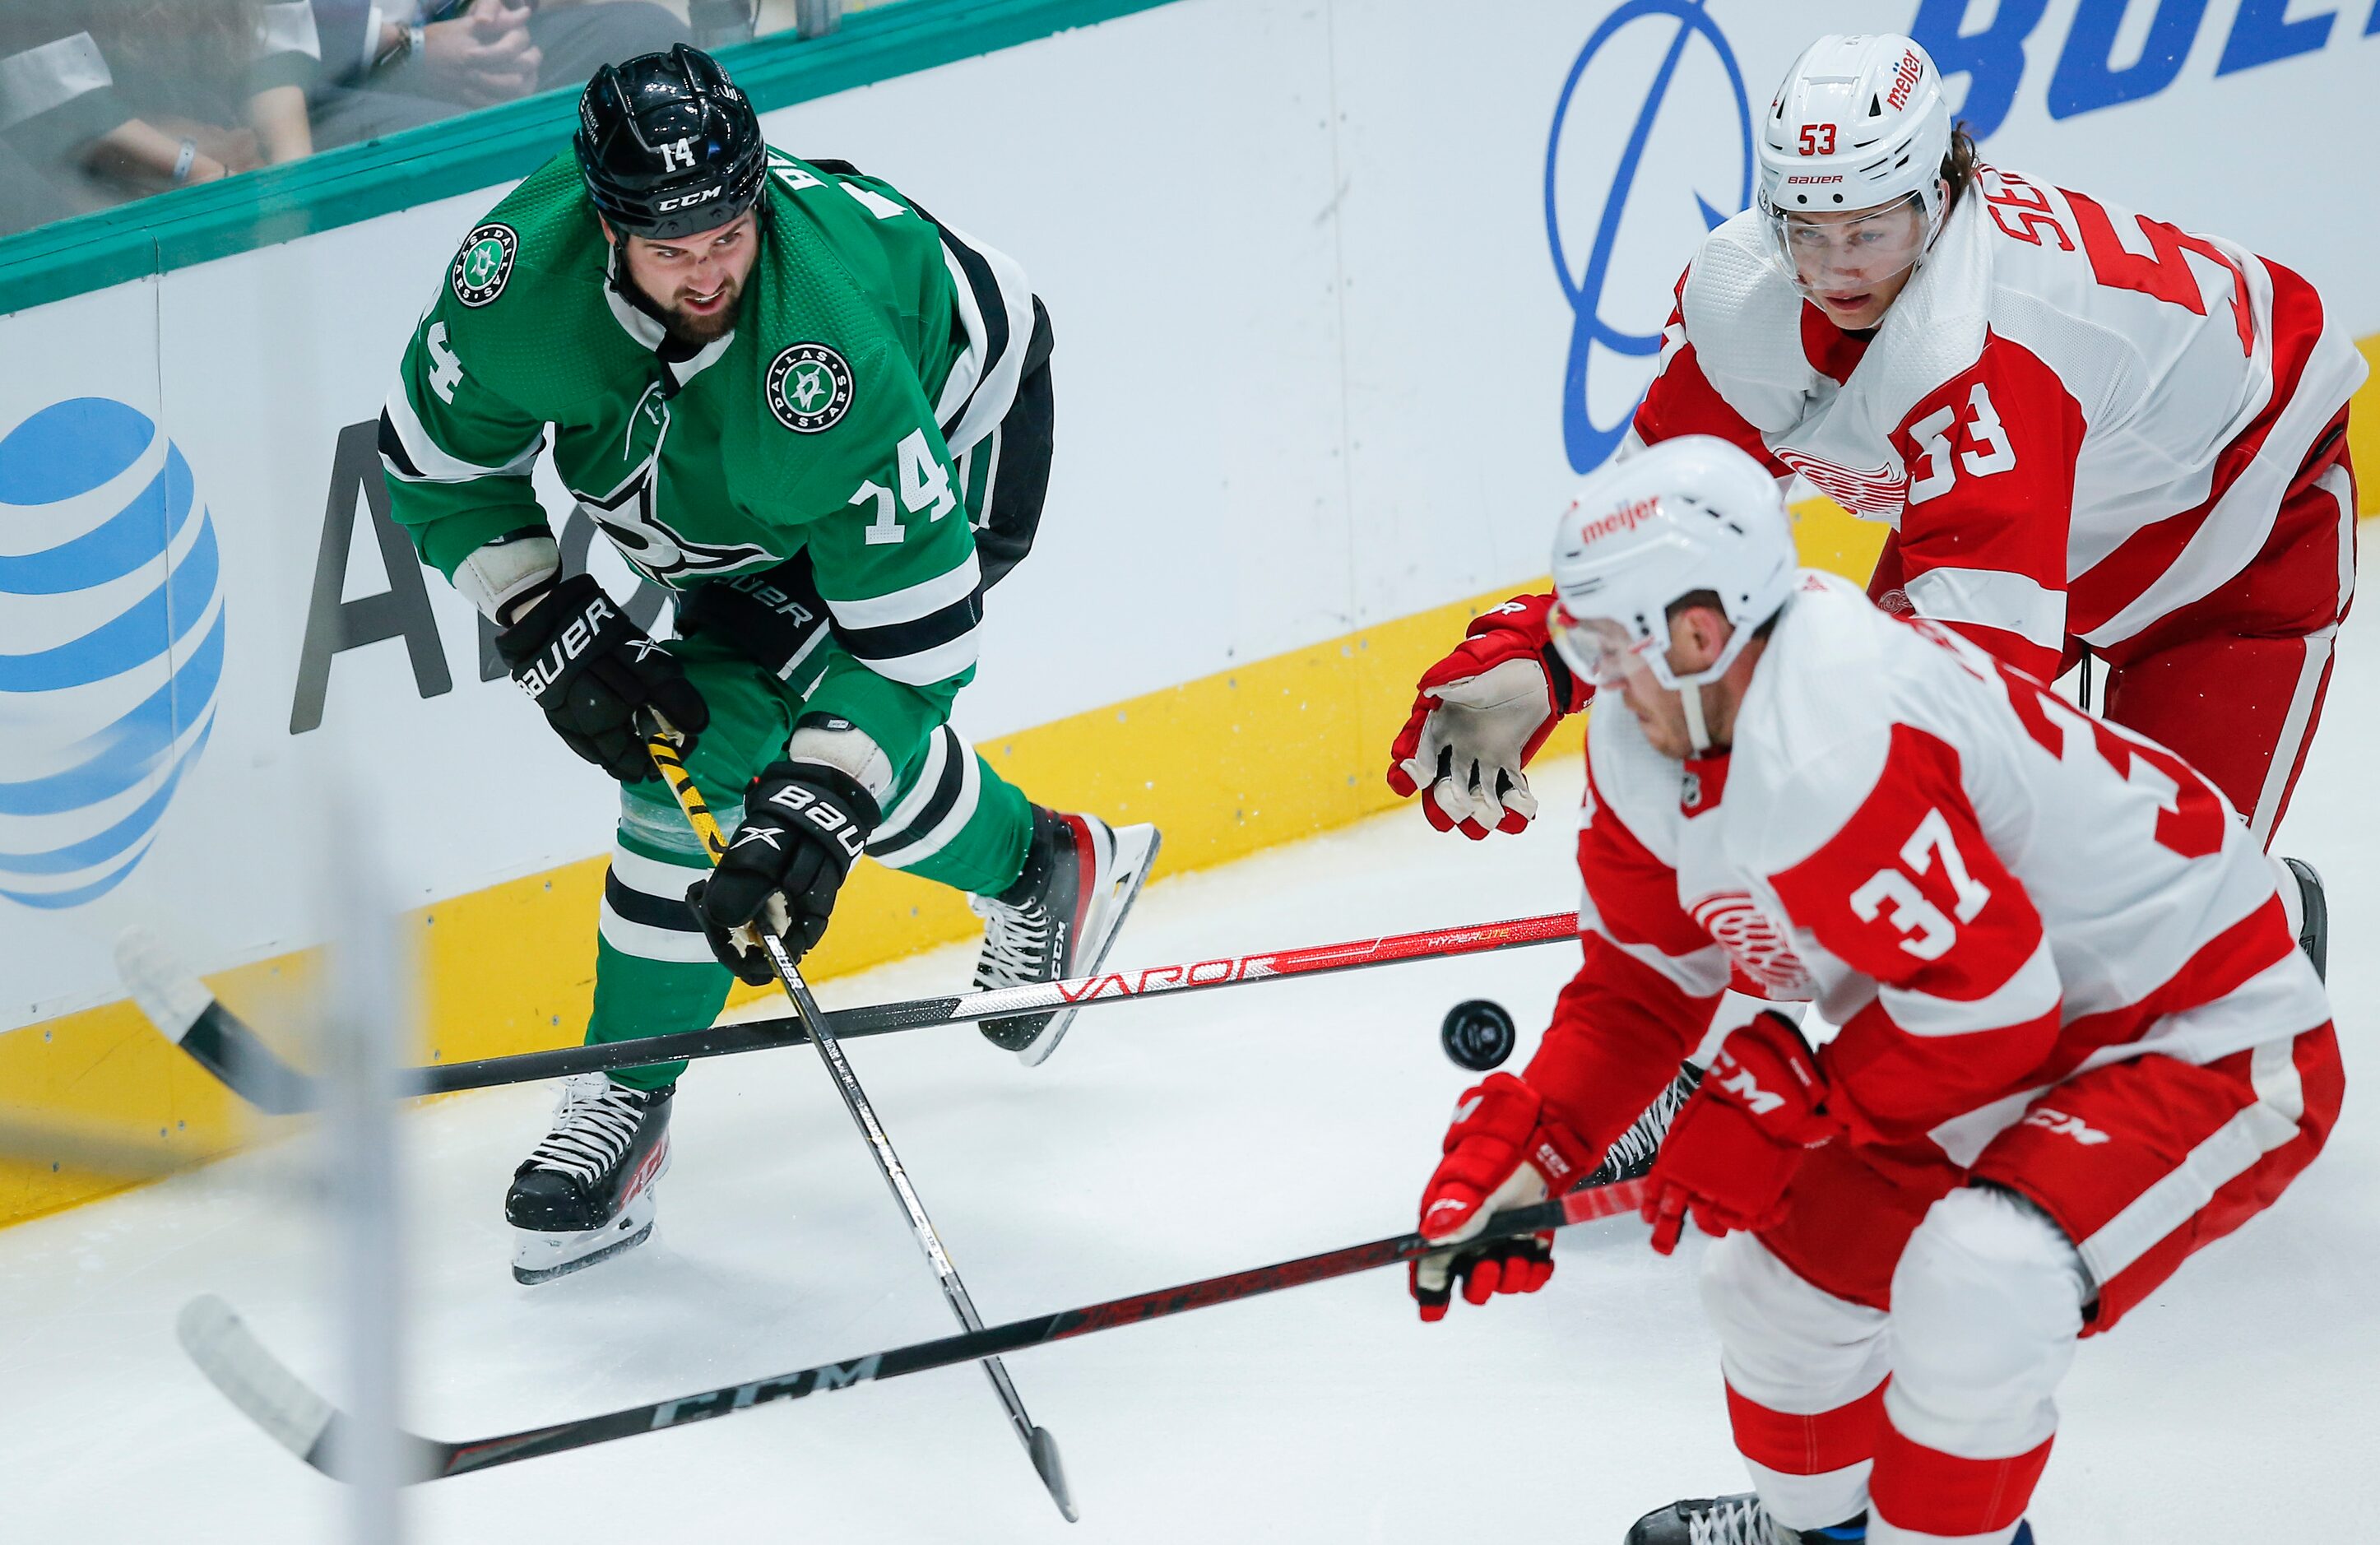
pixel 111 645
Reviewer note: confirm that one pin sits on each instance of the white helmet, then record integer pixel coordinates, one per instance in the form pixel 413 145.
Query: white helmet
pixel 1859 124
pixel 1679 516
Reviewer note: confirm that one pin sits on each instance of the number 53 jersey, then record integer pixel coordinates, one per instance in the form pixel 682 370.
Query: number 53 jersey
pixel 2077 418
pixel 1990 890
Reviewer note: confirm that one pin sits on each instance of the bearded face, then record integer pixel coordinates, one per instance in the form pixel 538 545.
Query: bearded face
pixel 694 284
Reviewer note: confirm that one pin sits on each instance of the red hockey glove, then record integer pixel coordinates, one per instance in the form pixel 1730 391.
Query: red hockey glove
pixel 1736 1145
pixel 1503 1151
pixel 1479 716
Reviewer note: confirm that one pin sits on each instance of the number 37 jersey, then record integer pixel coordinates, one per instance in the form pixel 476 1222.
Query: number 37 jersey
pixel 1986 888
pixel 2078 419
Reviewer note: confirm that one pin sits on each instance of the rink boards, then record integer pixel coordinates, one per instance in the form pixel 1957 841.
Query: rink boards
pixel 1346 295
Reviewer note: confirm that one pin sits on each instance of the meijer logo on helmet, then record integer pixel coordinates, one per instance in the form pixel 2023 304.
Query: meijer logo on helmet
pixel 1904 78
pixel 1627 517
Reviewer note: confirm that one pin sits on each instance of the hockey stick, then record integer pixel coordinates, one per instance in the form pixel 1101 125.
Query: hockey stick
pixel 661 742
pixel 227 1046
pixel 312 1429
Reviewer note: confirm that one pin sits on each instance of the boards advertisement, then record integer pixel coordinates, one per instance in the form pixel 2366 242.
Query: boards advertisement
pixel 1346 295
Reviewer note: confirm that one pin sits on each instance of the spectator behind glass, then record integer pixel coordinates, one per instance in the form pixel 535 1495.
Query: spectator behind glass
pixel 390 65
pixel 228 75
pixel 102 98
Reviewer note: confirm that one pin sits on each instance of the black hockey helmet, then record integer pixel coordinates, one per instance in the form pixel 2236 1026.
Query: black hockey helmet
pixel 668 145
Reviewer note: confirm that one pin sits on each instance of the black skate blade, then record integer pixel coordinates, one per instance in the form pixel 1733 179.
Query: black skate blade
pixel 528 1277
pixel 2313 928
pixel 1129 881
pixel 1044 1449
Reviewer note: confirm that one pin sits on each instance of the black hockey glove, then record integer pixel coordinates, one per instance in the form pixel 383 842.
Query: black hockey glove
pixel 803 823
pixel 591 669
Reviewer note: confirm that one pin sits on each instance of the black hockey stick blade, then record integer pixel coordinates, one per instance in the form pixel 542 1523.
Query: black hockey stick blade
pixel 186 1014
pixel 306 1425
pixel 181 1006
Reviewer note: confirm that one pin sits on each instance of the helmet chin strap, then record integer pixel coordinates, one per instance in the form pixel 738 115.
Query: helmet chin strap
pixel 1690 698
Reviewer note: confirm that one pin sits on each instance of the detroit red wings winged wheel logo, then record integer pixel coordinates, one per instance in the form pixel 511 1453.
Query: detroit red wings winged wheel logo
pixel 1877 491
pixel 1755 946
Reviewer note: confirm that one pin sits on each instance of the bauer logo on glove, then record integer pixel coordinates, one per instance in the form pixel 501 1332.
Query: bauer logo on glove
pixel 803 801
pixel 535 675
pixel 805 823
pixel 593 671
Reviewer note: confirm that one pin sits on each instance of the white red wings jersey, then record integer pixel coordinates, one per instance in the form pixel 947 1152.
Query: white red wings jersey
pixel 1986 888
pixel 2079 418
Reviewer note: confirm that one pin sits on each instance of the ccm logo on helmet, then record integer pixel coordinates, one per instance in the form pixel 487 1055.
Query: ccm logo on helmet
pixel 1905 79
pixel 1627 517
pixel 704 196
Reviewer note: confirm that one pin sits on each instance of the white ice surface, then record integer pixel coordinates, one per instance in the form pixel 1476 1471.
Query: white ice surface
pixel 1166 1140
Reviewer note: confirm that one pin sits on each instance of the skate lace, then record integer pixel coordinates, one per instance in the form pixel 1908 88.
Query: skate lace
pixel 1642 1138
pixel 1731 1521
pixel 593 1125
pixel 1015 943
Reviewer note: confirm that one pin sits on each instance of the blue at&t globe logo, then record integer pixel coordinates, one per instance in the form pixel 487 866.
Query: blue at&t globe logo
pixel 111 645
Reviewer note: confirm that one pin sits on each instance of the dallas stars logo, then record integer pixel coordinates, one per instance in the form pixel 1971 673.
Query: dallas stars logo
pixel 807 385
pixel 809 388
pixel 483 265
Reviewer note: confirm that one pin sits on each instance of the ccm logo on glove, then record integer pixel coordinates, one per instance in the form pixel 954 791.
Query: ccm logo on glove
pixel 1734 1149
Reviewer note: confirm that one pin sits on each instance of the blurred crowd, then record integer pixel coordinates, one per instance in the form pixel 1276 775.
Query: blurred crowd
pixel 101 101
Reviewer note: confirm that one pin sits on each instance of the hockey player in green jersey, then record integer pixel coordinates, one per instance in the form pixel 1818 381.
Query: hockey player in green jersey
pixel 823 419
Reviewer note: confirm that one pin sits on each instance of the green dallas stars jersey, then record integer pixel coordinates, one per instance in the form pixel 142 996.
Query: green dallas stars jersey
pixel 874 349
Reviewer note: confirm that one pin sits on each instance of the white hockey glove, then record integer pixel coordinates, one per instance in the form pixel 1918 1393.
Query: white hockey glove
pixel 1479 716
pixel 1469 758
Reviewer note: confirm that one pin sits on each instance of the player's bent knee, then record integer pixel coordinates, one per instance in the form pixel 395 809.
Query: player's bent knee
pixel 1787 1344
pixel 1986 1304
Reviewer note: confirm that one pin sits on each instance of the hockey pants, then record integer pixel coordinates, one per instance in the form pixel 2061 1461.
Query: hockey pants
pixel 1894 1345
pixel 2234 681
pixel 754 647
pixel 950 818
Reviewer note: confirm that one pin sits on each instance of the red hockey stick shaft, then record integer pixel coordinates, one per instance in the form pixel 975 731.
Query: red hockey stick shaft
pixel 231 1050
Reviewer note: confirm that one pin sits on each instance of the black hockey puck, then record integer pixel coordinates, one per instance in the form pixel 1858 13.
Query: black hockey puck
pixel 1477 1034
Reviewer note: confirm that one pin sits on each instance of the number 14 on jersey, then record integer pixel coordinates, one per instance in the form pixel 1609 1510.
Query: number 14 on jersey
pixel 925 489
